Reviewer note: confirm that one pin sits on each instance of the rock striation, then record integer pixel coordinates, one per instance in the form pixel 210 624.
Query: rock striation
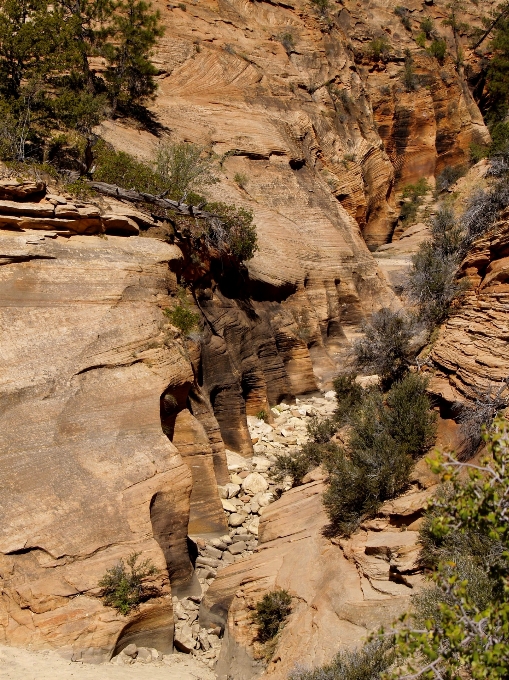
pixel 470 352
pixel 88 477
pixel 346 586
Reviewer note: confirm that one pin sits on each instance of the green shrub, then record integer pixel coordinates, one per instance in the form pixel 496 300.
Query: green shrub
pixel 467 605
pixel 348 396
pixel 297 464
pixel 262 415
pixel 431 281
pixel 181 316
pixel 241 179
pixel 470 542
pixel 183 168
pixel 449 176
pixel 122 169
pixel 124 585
pixel 409 77
pixel 321 431
pixel 322 6
pixel 404 15
pixel 496 80
pixel 233 230
pixel 478 414
pixel 413 193
pixel 426 26
pixel 438 49
pixel 446 233
pixel 478 151
pixel 499 138
pixel 367 663
pixel 387 434
pixel 483 209
pixel 271 613
pixel 288 42
pixel 294 465
pixel 408 416
pixel 379 48
pixel 358 487
pixel 385 348
pixel 420 39
pixel 432 284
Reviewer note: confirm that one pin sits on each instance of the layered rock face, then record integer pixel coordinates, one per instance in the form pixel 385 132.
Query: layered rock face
pixel 88 476
pixel 340 590
pixel 471 352
pixel 325 137
pixel 320 124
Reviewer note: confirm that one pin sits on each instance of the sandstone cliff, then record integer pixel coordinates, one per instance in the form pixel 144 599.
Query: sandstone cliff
pixel 92 373
pixel 341 590
pixel 470 352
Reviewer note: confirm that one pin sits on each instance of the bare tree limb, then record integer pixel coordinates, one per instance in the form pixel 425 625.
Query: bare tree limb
pixel 491 27
pixel 139 197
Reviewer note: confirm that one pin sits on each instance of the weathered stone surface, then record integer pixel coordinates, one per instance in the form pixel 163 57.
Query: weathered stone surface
pixel 471 351
pixel 88 475
pixel 189 436
pixel 255 483
pixel 329 593
pixel 236 519
pixel 13 189
pixel 29 209
pixel 120 224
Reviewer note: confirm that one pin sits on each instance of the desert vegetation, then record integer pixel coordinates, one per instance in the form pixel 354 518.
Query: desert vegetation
pixel 271 613
pixel 458 626
pixel 386 433
pixel 124 586
pixel 47 80
pixel 366 663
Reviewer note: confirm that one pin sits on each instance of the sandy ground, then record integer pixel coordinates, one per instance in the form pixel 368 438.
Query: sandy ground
pixel 22 664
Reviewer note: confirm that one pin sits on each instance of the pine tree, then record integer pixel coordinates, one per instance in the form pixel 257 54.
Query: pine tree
pixel 29 43
pixel 130 75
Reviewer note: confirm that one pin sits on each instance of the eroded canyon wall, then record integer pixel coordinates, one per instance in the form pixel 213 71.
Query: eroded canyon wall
pixel 90 374
pixel 84 460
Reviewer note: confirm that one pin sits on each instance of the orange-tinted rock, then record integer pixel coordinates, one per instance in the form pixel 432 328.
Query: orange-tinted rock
pixel 336 601
pixel 88 475
pixel 471 351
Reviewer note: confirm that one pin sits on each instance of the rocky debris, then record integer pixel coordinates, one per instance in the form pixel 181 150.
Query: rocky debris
pixel 207 641
pixel 358 583
pixel 190 637
pixel 245 498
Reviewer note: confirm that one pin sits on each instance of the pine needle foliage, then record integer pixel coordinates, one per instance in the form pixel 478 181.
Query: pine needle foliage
pixel 461 626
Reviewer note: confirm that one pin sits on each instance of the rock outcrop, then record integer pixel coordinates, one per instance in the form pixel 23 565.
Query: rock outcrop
pixel 341 589
pixel 88 476
pixel 298 101
pixel 348 587
pixel 114 427
pixel 470 354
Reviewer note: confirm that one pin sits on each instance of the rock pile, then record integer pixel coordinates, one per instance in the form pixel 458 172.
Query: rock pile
pixel 133 654
pixel 245 498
